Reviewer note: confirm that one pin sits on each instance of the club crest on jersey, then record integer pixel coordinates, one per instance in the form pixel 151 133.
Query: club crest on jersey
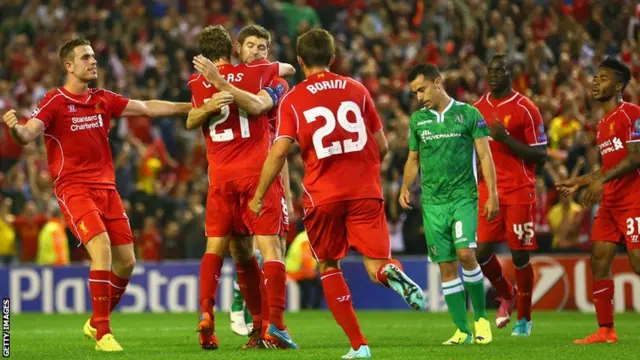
pixel 98 106
pixel 72 108
pixel 612 128
pixel 506 120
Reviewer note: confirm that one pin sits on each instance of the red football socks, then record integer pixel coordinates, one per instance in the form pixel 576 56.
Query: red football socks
pixel 210 270
pixel 99 288
pixel 249 275
pixel 603 301
pixel 493 271
pixel 118 287
pixel 340 303
pixel 275 278
pixel 381 277
pixel 265 307
pixel 524 280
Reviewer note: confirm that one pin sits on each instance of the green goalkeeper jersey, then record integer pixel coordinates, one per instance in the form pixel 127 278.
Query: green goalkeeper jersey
pixel 445 143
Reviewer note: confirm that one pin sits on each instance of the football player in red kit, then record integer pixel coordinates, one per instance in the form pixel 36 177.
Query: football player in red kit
pixel 253 48
pixel 616 187
pixel 518 144
pixel 334 120
pixel 238 141
pixel 74 120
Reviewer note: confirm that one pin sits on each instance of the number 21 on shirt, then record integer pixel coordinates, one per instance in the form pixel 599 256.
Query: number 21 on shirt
pixel 227 134
pixel 337 147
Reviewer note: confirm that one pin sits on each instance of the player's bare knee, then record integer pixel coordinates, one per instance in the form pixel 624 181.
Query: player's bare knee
pixel 242 249
pixel 520 258
pixel 217 245
pixel 327 265
pixel 467 258
pixel 599 267
pixel 448 271
pixel 270 247
pixel 124 267
pixel 99 249
pixel 634 259
pixel 372 266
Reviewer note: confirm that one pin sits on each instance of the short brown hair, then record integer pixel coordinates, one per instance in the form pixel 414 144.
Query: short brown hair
pixel 254 30
pixel 66 51
pixel 316 47
pixel 215 43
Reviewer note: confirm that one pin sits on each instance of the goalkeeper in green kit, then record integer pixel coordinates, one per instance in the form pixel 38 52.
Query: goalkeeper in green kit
pixel 444 138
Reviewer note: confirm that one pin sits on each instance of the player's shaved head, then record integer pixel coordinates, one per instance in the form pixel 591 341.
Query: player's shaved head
pixel 620 70
pixel 254 30
pixel 430 72
pixel 316 48
pixel 66 52
pixel 215 43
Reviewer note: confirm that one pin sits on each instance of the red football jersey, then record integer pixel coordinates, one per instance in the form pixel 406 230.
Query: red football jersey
pixel 76 136
pixel 522 119
pixel 237 144
pixel 618 128
pixel 333 119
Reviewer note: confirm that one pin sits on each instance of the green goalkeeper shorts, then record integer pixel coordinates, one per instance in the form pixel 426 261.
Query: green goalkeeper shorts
pixel 450 227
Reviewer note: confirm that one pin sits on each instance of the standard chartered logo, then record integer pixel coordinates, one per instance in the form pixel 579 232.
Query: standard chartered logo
pixel 427 135
pixel 86 122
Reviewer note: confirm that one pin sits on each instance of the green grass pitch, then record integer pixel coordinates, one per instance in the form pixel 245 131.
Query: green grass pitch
pixel 391 335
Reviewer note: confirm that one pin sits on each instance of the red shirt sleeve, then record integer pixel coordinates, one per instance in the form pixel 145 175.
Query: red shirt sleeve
pixel 634 126
pixel 196 101
pixel 534 131
pixel 371 118
pixel 116 103
pixel 288 125
pixel 278 81
pixel 46 109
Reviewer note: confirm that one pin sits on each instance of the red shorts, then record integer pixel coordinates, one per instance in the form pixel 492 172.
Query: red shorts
pixel 514 224
pixel 89 212
pixel 618 226
pixel 279 184
pixel 358 224
pixel 228 210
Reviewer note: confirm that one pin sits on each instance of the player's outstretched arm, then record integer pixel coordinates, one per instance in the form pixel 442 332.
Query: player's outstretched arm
pixel 155 108
pixel 491 208
pixel 212 106
pixel 409 177
pixel 271 168
pixel 286 69
pixel 26 133
pixel 536 154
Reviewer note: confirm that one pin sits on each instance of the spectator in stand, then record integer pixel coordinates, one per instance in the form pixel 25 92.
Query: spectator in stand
pixel 53 245
pixel 8 249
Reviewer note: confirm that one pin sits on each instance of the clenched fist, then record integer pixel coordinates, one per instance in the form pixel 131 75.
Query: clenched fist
pixel 10 119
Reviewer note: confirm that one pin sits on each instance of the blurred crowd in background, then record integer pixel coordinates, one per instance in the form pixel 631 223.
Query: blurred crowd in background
pixel 144 50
